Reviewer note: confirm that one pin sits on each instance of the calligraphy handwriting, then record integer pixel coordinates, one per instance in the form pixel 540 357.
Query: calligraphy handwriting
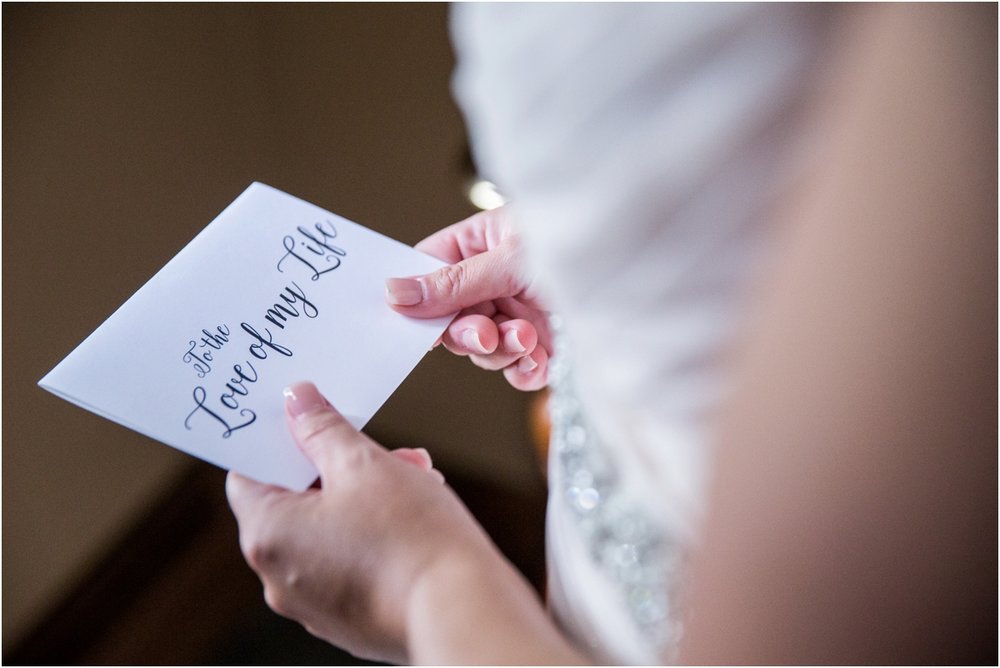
pixel 310 249
pixel 317 247
pixel 283 311
pixel 199 396
pixel 259 349
pixel 202 363
pixel 237 386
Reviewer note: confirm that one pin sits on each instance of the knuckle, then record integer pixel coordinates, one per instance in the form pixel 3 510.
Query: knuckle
pixel 330 435
pixel 512 282
pixel 509 278
pixel 260 556
pixel 449 281
pixel 353 459
pixel 495 223
pixel 319 426
pixel 293 580
pixel 261 552
pixel 277 600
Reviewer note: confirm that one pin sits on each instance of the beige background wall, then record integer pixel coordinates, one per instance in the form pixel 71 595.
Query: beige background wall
pixel 126 129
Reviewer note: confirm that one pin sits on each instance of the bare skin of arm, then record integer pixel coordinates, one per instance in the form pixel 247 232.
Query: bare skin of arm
pixel 854 513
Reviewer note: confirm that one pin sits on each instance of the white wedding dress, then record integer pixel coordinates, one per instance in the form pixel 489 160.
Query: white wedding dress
pixel 644 147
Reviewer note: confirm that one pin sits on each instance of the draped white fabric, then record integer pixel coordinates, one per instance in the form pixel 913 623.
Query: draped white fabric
pixel 644 147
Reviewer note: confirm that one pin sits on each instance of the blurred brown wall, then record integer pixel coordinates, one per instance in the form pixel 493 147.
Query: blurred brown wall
pixel 126 129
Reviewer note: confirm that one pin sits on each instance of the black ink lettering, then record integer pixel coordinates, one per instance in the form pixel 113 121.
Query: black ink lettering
pixel 199 400
pixel 322 241
pixel 279 312
pixel 258 349
pixel 237 386
pixel 242 376
pixel 320 246
pixel 215 340
pixel 313 248
pixel 328 232
pixel 299 295
pixel 200 363
pixel 289 244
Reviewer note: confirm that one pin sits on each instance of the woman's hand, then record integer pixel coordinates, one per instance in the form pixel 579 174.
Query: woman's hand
pixel 500 324
pixel 344 559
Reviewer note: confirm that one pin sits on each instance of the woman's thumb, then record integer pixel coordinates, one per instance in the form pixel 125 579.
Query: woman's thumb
pixel 480 278
pixel 321 432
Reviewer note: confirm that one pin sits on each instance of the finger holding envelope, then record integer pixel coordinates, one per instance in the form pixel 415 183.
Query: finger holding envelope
pixel 493 342
pixel 471 334
pixel 530 372
pixel 478 333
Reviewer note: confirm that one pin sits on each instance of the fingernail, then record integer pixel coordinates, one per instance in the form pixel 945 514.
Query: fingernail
pixel 303 398
pixel 403 291
pixel 527 365
pixel 513 343
pixel 437 475
pixel 471 340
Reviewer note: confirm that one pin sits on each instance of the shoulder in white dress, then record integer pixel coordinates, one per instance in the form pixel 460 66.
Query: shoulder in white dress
pixel 644 147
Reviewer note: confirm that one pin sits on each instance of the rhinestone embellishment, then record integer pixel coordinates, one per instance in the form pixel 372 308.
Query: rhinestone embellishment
pixel 629 550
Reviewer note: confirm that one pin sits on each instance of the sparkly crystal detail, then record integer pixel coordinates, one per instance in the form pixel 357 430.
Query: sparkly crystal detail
pixel 627 547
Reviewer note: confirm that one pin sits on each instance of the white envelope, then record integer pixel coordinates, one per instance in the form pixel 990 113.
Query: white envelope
pixel 275 290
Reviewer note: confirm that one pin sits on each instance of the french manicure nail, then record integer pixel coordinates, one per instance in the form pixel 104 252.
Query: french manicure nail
pixel 512 342
pixel 471 340
pixel 527 365
pixel 403 291
pixel 302 398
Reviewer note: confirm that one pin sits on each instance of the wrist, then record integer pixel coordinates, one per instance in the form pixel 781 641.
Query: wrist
pixel 474 607
pixel 400 595
pixel 438 600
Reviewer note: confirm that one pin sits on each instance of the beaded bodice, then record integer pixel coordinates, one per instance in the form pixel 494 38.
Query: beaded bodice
pixel 625 543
